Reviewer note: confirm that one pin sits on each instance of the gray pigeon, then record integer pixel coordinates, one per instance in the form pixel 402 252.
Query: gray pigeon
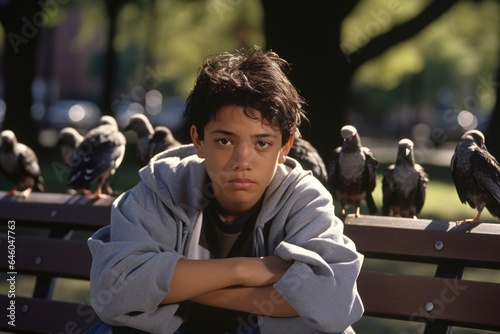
pixel 404 184
pixel 162 140
pixel 141 125
pixel 98 157
pixel 19 163
pixel 476 174
pixel 352 172
pixel 69 140
pixel 309 158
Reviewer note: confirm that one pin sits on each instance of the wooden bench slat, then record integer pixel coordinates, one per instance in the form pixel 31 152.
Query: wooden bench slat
pixel 422 224
pixel 62 258
pixel 49 255
pixel 33 315
pixel 52 210
pixel 398 241
pixel 461 303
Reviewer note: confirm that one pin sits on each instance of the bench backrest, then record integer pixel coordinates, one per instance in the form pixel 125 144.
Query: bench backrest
pixel 444 299
pixel 45 244
pixel 45 236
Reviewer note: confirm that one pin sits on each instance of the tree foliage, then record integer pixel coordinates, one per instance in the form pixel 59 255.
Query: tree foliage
pixel 465 40
pixel 175 36
pixel 349 58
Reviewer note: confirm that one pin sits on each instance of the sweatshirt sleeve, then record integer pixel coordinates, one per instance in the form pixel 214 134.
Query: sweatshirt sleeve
pixel 321 284
pixel 133 262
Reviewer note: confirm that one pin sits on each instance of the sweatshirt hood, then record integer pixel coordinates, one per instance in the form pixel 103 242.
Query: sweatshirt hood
pixel 288 176
pixel 178 177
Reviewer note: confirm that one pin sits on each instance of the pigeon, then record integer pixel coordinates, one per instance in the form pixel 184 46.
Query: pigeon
pixel 476 175
pixel 352 172
pixel 404 184
pixel 69 140
pixel 98 157
pixel 19 163
pixel 141 125
pixel 162 140
pixel 309 158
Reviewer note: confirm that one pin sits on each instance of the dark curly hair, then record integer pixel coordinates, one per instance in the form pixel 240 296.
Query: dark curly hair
pixel 249 78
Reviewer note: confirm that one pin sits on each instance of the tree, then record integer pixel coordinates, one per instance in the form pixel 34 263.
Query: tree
pixel 493 135
pixel 308 35
pixel 22 21
pixel 113 8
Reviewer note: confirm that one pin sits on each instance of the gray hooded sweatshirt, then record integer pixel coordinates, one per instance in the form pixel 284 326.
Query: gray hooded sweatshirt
pixel 154 224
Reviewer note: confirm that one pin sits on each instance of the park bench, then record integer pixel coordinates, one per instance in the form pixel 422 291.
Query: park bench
pixel 444 298
pixel 46 235
pixel 50 243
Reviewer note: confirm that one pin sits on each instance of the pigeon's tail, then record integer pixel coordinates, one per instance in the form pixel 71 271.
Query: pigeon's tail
pixel 494 209
pixel 370 203
pixel 39 184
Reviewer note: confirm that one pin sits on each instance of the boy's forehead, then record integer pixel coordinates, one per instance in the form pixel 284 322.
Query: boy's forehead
pixel 234 114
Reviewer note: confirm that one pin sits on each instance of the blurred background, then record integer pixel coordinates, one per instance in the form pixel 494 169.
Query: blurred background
pixel 424 70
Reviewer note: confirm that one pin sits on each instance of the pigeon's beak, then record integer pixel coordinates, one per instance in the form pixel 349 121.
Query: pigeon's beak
pixel 407 151
pixel 345 143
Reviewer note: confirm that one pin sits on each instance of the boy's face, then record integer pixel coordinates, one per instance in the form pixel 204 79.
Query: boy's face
pixel 241 156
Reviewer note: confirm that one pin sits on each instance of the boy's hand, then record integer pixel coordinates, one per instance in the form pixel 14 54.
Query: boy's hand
pixel 264 270
pixel 219 274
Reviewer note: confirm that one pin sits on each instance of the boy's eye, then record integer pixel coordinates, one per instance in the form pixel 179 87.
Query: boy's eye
pixel 223 141
pixel 263 144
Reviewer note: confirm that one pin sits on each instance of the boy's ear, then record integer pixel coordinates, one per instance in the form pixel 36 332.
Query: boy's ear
pixel 198 143
pixel 285 149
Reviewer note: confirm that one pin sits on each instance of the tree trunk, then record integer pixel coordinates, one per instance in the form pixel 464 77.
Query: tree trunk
pixel 112 9
pixel 493 135
pixel 22 28
pixel 307 34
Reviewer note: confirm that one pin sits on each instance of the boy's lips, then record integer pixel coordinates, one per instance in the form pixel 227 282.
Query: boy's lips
pixel 241 183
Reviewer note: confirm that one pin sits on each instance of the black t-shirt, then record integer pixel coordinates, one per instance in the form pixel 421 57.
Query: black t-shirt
pixel 223 240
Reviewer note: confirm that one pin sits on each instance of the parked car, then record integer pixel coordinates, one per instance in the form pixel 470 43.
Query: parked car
pixel 170 114
pixel 80 114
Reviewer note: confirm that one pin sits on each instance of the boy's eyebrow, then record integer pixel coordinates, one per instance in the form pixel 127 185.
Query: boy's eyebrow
pixel 265 135
pixel 230 133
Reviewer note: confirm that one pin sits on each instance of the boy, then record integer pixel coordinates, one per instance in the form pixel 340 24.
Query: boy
pixel 236 238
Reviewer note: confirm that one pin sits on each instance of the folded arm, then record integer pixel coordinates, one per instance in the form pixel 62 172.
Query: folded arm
pixel 240 283
pixel 263 300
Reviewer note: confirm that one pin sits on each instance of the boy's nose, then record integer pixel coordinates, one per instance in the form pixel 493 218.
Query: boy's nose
pixel 241 157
